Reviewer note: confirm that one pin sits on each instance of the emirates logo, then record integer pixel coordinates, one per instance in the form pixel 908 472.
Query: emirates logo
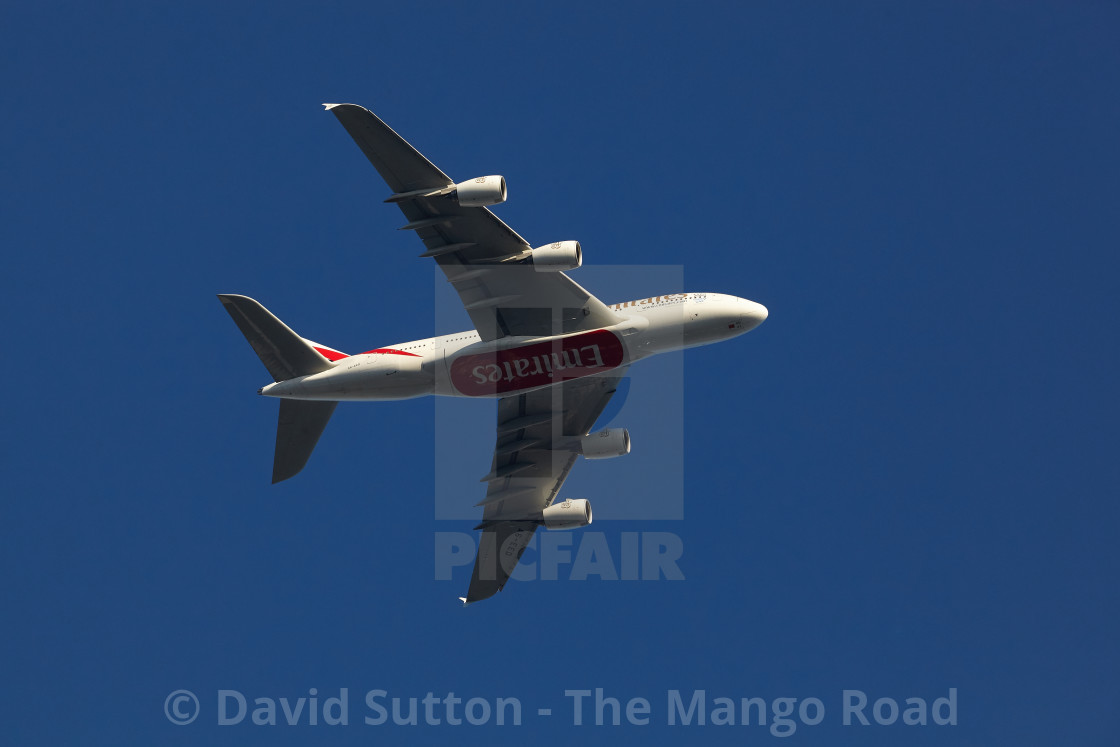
pixel 538 364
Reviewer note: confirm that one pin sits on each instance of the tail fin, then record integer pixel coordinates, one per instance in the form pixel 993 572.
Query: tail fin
pixel 286 355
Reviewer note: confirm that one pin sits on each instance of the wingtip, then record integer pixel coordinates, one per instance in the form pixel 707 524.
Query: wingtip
pixel 227 298
pixel 464 601
pixel 328 107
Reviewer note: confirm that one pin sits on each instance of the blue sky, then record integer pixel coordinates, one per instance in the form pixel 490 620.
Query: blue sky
pixel 903 482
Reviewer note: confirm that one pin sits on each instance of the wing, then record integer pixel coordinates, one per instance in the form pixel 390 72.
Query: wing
pixel 530 464
pixel 484 259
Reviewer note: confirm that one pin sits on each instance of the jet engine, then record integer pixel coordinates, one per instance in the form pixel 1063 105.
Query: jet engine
pixel 571 514
pixel 561 255
pixel 604 444
pixel 485 190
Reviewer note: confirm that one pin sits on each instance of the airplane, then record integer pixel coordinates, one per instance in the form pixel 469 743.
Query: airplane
pixel 548 351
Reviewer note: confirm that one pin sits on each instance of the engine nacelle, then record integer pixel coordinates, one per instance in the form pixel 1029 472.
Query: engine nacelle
pixel 604 444
pixel 571 514
pixel 561 255
pixel 485 190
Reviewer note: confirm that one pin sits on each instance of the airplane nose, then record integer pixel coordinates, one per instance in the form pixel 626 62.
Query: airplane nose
pixel 753 314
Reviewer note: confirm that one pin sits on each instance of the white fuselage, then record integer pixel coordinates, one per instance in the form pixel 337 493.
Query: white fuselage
pixel 461 365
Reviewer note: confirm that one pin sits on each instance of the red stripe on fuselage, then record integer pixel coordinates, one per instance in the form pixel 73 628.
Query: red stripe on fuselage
pixel 334 355
pixel 390 351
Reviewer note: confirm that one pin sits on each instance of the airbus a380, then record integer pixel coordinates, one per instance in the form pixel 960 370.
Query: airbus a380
pixel 551 353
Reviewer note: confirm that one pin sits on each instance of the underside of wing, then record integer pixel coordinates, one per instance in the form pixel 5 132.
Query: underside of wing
pixel 487 262
pixel 537 445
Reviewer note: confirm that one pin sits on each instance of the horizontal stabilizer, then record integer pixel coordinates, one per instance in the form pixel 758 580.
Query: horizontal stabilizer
pixel 298 430
pixel 285 354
